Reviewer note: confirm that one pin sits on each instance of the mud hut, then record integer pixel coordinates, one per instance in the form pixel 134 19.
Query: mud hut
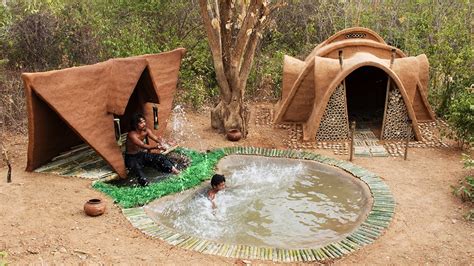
pixel 355 76
pixel 83 104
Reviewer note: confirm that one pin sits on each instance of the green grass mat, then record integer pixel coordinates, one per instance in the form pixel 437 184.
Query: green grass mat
pixel 201 168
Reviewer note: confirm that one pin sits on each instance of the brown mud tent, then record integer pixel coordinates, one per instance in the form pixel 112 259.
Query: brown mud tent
pixel 355 76
pixel 79 105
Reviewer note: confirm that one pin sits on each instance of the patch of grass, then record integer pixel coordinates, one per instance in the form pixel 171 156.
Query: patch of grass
pixel 201 168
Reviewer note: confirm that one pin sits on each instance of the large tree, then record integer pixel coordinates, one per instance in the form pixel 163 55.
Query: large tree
pixel 234 28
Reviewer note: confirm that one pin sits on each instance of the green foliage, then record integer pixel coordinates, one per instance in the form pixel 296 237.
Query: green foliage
pixel 201 168
pixel 197 77
pixel 45 34
pixel 461 117
pixel 265 79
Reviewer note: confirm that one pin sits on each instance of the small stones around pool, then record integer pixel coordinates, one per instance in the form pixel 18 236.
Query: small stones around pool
pixel 377 221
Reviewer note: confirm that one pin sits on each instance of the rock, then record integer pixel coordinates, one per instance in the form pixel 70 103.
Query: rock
pixel 32 250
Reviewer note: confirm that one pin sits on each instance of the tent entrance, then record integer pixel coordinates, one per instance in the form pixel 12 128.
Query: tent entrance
pixel 366 90
pixel 62 151
pixel 143 94
pixel 52 134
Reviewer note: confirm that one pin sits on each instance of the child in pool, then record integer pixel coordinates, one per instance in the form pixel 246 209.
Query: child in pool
pixel 217 183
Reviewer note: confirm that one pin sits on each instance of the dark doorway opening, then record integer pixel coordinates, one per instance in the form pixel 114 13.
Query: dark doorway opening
pixel 366 89
pixel 143 93
pixel 52 135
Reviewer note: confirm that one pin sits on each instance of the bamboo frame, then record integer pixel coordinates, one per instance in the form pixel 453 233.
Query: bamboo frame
pixel 385 108
pixel 346 109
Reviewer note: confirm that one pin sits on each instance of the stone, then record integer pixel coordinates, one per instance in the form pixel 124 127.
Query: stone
pixel 33 250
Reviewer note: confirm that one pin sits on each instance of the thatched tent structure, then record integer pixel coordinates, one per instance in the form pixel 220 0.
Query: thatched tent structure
pixel 78 105
pixel 355 75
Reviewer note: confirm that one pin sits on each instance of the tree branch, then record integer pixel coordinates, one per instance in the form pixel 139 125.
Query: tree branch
pixel 213 36
pixel 243 36
pixel 7 161
pixel 226 32
pixel 249 55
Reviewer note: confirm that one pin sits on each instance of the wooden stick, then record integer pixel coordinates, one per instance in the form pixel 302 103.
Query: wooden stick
pixel 353 126
pixel 392 57
pixel 170 150
pixel 385 108
pixel 346 111
pixel 408 138
pixel 7 161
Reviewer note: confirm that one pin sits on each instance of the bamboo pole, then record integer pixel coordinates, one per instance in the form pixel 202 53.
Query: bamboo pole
pixel 346 111
pixel 392 57
pixel 408 138
pixel 353 126
pixel 385 107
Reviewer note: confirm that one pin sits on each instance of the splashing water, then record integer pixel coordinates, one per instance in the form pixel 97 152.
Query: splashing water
pixel 269 203
pixel 182 130
pixel 179 123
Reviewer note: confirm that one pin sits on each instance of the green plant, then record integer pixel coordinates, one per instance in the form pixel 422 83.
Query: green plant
pixel 461 118
pixel 465 188
pixel 3 258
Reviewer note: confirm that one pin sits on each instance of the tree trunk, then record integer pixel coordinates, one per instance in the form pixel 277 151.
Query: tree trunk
pixel 230 116
pixel 233 30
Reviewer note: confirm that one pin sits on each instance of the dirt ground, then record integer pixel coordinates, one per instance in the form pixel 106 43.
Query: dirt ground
pixel 42 220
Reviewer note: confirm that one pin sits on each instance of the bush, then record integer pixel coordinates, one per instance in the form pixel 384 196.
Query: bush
pixel 461 117
pixel 12 101
pixel 465 188
pixel 34 43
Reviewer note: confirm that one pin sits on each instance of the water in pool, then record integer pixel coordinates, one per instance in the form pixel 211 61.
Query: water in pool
pixel 271 202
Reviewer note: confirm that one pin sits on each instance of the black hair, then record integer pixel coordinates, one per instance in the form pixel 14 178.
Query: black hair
pixel 217 179
pixel 135 120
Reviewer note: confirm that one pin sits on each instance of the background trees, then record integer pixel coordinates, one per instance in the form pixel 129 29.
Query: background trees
pixel 45 35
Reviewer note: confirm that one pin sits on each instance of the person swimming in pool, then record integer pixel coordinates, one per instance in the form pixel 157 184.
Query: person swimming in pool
pixel 218 184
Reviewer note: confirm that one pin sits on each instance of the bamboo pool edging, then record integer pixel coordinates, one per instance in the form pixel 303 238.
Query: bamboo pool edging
pixel 366 233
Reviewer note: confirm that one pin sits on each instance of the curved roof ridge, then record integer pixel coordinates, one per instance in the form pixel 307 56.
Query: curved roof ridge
pixel 356 30
pixel 375 37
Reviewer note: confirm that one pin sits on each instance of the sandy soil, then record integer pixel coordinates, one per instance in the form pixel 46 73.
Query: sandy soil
pixel 43 222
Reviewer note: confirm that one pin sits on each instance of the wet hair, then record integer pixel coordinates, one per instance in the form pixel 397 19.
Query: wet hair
pixel 135 120
pixel 217 179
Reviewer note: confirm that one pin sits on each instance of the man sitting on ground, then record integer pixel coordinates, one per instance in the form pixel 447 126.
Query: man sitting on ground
pixel 137 153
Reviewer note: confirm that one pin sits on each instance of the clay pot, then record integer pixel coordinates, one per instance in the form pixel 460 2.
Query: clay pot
pixel 234 135
pixel 94 207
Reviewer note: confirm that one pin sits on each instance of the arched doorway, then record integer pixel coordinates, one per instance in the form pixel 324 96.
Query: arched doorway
pixel 366 90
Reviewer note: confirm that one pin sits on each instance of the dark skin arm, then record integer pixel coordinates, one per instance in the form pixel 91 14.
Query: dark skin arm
pixel 159 140
pixel 156 139
pixel 134 137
